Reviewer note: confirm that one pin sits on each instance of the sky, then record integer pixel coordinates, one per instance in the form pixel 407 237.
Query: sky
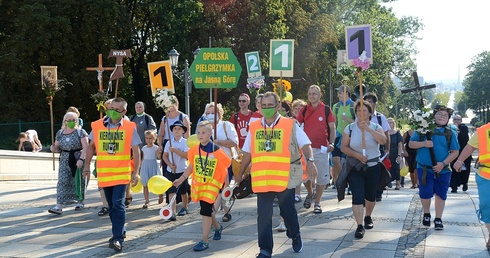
pixel 454 32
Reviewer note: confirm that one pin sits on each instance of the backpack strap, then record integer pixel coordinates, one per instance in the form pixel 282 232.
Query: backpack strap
pixel 378 116
pixel 327 114
pixel 131 118
pixel 235 121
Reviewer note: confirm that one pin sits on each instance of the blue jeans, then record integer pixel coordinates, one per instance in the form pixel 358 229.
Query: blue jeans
pixel 117 210
pixel 264 220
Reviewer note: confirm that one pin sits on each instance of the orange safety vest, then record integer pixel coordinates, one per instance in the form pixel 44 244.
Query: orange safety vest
pixel 207 184
pixel 113 169
pixel 484 147
pixel 270 168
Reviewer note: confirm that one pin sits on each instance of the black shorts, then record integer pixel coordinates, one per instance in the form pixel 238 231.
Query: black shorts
pixel 172 177
pixel 336 151
pixel 206 208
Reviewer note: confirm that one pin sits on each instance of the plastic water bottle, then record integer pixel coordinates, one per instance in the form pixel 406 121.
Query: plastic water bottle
pixel 463 168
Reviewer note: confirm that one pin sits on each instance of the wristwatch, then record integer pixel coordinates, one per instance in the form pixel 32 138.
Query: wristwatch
pixel 311 159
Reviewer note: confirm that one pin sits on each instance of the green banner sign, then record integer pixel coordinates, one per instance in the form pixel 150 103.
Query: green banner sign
pixel 215 68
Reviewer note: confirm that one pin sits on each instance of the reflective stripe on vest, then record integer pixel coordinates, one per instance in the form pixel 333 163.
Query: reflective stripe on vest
pixel 113 169
pixel 484 147
pixel 205 184
pixel 270 168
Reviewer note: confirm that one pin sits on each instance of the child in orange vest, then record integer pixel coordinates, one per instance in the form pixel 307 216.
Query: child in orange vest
pixel 208 165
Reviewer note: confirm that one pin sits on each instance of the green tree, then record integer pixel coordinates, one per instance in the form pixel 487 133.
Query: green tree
pixel 476 82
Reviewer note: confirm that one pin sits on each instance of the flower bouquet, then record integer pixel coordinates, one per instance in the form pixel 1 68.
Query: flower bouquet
pixel 254 87
pixel 362 62
pixel 281 87
pixel 50 87
pixel 422 121
pixel 100 98
pixel 346 71
pixel 163 99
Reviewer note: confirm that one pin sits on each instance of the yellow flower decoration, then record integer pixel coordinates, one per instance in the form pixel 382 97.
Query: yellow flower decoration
pixel 285 84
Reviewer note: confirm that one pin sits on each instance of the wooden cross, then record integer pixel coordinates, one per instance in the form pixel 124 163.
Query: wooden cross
pixel 418 89
pixel 100 69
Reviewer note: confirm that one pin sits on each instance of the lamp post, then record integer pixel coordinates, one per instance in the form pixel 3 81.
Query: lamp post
pixel 183 75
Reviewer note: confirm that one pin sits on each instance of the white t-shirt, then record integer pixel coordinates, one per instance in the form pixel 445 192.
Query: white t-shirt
pixel 301 136
pixel 230 134
pixel 180 163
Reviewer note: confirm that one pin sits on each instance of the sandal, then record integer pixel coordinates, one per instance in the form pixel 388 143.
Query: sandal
pixel 160 199
pixel 103 211
pixel 307 203
pixel 127 201
pixel 145 206
pixel 226 217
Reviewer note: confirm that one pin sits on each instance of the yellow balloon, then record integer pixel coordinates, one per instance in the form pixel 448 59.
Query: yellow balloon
pixel 138 187
pixel 192 141
pixel 404 171
pixel 289 96
pixel 159 184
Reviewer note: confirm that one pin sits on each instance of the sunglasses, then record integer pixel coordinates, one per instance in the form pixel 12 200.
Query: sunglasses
pixel 242 100
pixel 71 120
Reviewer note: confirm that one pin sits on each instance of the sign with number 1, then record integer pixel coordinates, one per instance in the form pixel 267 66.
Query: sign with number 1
pixel 160 74
pixel 281 58
pixel 358 39
pixel 253 64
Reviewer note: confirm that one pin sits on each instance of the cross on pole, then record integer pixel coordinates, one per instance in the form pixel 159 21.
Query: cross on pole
pixel 418 89
pixel 100 69
pixel 118 72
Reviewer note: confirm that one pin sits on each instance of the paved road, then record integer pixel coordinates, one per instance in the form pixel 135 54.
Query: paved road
pixel 28 230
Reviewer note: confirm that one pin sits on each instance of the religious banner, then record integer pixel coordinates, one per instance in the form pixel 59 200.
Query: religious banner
pixel 118 71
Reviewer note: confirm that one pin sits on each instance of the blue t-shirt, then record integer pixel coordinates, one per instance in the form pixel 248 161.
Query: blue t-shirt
pixel 441 150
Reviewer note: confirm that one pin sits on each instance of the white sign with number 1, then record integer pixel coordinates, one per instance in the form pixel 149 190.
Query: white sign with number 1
pixel 281 58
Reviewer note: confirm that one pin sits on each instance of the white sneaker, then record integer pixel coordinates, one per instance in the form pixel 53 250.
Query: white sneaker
pixel 281 227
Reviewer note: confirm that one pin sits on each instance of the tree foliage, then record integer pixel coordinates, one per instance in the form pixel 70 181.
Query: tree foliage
pixel 476 92
pixel 70 34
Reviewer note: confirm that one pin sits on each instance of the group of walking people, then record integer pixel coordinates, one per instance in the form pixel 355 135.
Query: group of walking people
pixel 283 145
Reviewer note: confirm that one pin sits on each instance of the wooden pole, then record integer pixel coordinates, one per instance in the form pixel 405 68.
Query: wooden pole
pixel 215 112
pixel 362 112
pixel 52 126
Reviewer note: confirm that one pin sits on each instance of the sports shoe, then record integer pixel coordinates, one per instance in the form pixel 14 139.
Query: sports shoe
pixel 79 206
pixel 56 210
pixel 368 222
pixel 173 217
pixel 281 227
pixel 201 246
pixel 426 220
pixel 116 245
pixel 297 244
pixel 261 255
pixel 297 198
pixel 359 232
pixel 217 233
pixel 438 224
pixel 183 212
pixel 317 209
pixel 465 187
pixel 454 190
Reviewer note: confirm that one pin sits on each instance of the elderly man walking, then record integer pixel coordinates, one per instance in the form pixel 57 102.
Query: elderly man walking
pixel 273 146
